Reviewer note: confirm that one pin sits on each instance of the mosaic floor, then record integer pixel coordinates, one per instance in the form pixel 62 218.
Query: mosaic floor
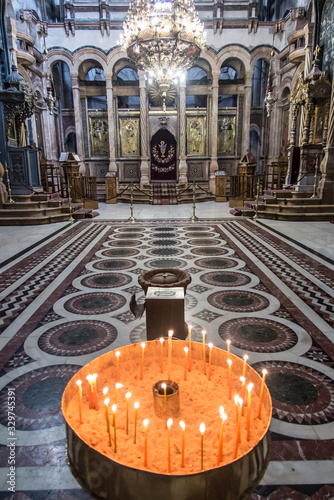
pixel 68 302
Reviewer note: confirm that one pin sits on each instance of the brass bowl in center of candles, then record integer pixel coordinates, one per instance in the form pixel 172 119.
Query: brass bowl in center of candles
pixel 122 475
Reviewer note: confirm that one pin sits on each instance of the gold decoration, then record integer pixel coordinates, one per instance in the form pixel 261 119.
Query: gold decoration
pixel 196 135
pixel 99 136
pixel 226 135
pixel 158 98
pixel 129 131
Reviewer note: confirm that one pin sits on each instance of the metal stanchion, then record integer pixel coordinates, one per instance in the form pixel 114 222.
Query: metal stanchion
pixel 193 217
pixel 8 185
pixel 257 199
pixel 315 178
pixel 70 201
pixel 131 218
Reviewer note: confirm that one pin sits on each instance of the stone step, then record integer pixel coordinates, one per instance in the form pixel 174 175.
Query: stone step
pixel 300 209
pixel 298 201
pixel 33 221
pixel 297 216
pixel 26 205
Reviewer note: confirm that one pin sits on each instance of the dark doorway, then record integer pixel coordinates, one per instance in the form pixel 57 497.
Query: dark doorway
pixel 163 157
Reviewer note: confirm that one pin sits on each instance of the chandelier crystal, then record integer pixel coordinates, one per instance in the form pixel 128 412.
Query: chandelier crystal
pixel 163 38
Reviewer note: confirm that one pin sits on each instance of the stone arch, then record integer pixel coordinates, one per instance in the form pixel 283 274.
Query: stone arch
pixel 113 59
pixel 234 52
pixel 86 55
pixel 57 55
pixel 285 84
pixel 211 59
pixel 260 53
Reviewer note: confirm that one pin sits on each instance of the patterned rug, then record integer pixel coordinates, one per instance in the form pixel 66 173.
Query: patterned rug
pixel 68 302
pixel 164 194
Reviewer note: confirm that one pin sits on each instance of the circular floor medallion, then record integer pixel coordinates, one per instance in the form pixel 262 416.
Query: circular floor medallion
pixel 258 334
pixel 164 229
pixel 209 251
pixel 165 252
pixel 119 252
pixel 113 265
pixel 125 243
pixel 238 301
pixel 301 395
pixel 165 263
pixel 215 263
pixel 128 235
pixel 200 234
pixel 202 242
pixel 198 228
pixel 106 280
pixel 164 242
pixel 77 338
pixel 37 397
pixel 95 303
pixel 225 278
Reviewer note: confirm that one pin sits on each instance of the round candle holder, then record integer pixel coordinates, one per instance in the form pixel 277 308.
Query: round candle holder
pixel 106 477
pixel 172 406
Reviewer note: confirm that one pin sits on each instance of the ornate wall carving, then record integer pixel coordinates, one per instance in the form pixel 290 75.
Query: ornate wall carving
pixel 129 132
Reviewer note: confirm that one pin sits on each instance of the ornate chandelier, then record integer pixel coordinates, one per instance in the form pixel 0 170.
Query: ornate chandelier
pixel 163 38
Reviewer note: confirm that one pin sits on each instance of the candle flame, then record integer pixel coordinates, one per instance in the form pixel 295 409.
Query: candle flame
pixel 250 387
pixel 118 385
pixel 221 411
pixel 89 378
pixel 190 327
pixel 202 428
pixel 169 422
pixel 105 390
pixel 106 401
pixel 229 361
pixel 264 371
pixel 146 422
pixel 203 332
pixel 236 399
pixel 114 408
pixel 242 380
pixel 94 376
pixel 241 401
pixel 245 357
pixel 186 350
pixel 128 395
pixel 136 405
pixel 210 345
pixel 182 425
pixel 143 345
pixel 162 340
pixel 228 341
pixel 117 354
pixel 224 417
pixel 79 383
pixel 164 386
pixel 170 333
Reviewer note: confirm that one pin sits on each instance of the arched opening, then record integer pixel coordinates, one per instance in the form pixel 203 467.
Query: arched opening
pixel 163 157
pixel 127 81
pixel 259 83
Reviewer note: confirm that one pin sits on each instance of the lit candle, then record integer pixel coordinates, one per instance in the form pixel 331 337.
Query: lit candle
pixel 145 423
pixel 164 387
pixel 117 386
pixel 223 416
pixel 91 390
pixel 210 356
pixel 244 365
pixel 105 391
pixel 228 342
pixel 143 345
pixel 96 402
pixel 229 361
pixel 127 396
pixel 249 389
pixel 161 355
pixel 189 338
pixel 236 402
pixel 238 428
pixel 117 354
pixel 169 423
pixel 170 346
pixel 204 361
pixel 114 408
pixel 202 430
pixel 264 373
pixel 185 362
pixel 183 426
pixel 80 400
pixel 136 405
pixel 242 380
pixel 106 402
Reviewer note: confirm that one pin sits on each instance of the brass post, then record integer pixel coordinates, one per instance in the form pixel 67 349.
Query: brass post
pixel 193 217
pixel 257 199
pixel 8 185
pixel 70 201
pixel 315 177
pixel 131 218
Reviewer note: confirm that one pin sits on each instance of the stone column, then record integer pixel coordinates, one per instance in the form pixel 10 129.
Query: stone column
pixel 78 122
pixel 111 125
pixel 247 110
pixel 144 166
pixel 183 177
pixel 326 184
pixel 213 130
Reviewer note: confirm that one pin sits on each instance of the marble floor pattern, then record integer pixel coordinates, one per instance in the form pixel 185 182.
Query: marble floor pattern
pixel 269 287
